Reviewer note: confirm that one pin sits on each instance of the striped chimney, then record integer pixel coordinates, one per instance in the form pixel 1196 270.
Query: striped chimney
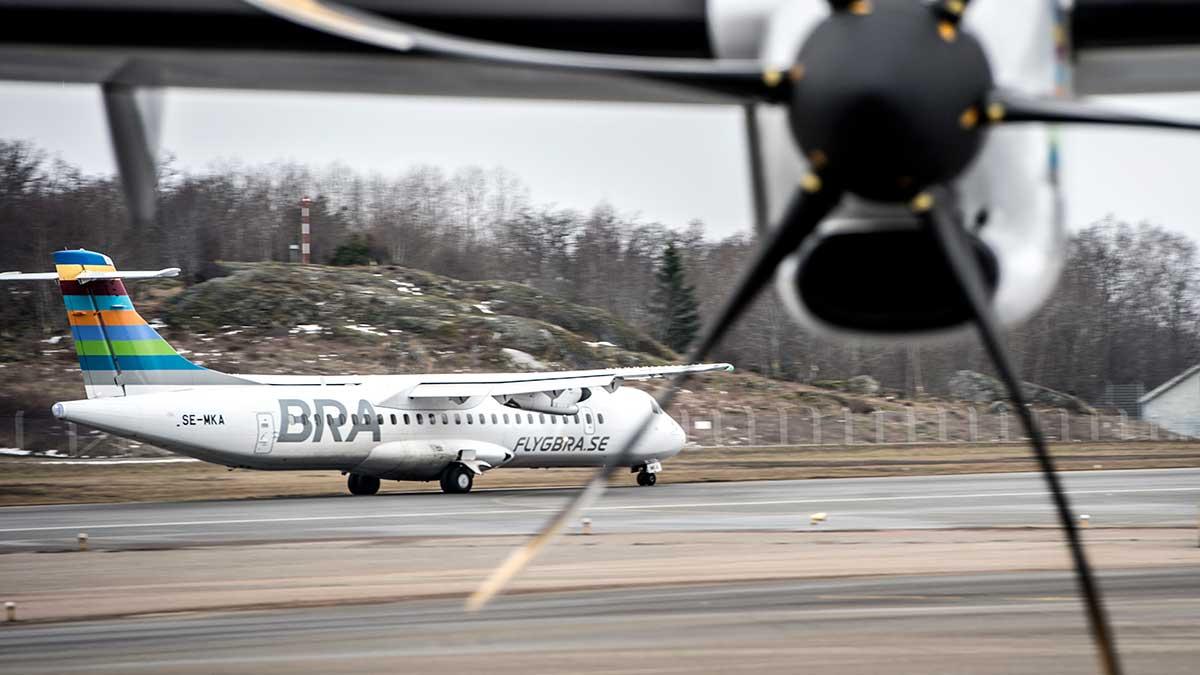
pixel 305 234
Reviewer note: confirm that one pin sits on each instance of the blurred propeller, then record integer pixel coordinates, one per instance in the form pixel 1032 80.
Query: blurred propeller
pixel 134 119
pixel 1010 107
pixel 738 76
pixel 804 213
pixel 938 215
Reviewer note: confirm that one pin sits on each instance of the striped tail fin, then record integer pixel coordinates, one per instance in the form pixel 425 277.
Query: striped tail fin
pixel 119 353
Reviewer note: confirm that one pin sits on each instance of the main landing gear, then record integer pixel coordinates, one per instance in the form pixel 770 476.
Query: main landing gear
pixel 457 479
pixel 647 474
pixel 362 484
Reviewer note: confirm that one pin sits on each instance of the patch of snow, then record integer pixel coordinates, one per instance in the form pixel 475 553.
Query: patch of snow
pixel 53 340
pixel 232 332
pixel 308 328
pixel 522 359
pixel 599 344
pixel 484 308
pixel 14 452
pixel 364 328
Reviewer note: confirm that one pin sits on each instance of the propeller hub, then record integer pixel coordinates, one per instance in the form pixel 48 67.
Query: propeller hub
pixel 890 101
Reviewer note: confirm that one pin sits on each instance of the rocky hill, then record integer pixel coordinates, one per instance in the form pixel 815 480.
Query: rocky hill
pixel 277 318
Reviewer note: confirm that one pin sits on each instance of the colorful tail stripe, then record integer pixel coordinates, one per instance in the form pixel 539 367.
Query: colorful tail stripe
pixel 109 333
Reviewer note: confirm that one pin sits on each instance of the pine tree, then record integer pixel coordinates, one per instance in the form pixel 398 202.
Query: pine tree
pixel 674 302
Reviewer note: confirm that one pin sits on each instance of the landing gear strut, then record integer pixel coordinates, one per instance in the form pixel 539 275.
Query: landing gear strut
pixel 457 479
pixel 646 479
pixel 362 484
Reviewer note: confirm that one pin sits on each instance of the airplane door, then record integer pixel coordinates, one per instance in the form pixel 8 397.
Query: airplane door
pixel 589 422
pixel 266 434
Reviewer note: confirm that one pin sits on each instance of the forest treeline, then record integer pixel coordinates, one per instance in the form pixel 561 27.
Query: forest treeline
pixel 1125 310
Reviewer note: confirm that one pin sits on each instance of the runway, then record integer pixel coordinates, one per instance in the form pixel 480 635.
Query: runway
pixel 998 623
pixel 909 575
pixel 1154 497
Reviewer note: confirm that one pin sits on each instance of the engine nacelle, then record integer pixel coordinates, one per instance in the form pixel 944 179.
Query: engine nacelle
pixel 562 402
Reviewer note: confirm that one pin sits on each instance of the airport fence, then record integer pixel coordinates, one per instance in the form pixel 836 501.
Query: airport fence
pixel 22 432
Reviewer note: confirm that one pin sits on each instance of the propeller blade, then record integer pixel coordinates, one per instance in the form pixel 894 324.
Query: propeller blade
pixel 1006 107
pixel 739 76
pixel 804 213
pixel 134 119
pixel 936 210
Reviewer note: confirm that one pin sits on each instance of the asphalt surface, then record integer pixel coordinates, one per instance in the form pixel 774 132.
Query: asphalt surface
pixel 995 623
pixel 1155 497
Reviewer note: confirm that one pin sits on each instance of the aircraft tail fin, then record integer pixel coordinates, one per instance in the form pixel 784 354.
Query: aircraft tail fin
pixel 119 352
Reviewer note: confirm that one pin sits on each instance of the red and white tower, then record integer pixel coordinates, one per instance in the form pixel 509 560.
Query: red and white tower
pixel 305 240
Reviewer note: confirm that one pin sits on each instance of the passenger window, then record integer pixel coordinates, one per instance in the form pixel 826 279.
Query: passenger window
pixel 380 420
pixel 354 419
pixel 589 419
pixel 531 418
pixel 331 423
pixel 517 418
pixel 482 418
pixel 445 418
pixel 494 420
pixel 506 418
pixel 341 419
pixel 419 420
pixel 576 418
pixel 600 418
pixel 457 418
pixel 317 419
pixel 469 421
pixel 433 418
pixel 406 418
pixel 393 419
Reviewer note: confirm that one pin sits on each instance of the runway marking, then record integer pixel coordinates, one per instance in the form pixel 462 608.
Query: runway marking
pixel 480 512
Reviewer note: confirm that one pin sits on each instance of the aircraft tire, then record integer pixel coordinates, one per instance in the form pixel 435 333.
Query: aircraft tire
pixel 646 479
pixel 457 479
pixel 360 484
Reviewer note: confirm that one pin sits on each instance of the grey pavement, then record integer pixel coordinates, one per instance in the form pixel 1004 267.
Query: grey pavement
pixel 1154 497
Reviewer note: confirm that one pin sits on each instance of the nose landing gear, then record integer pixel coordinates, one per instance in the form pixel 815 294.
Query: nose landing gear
pixel 647 474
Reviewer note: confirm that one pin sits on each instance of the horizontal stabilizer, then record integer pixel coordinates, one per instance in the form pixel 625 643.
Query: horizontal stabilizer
pixel 89 275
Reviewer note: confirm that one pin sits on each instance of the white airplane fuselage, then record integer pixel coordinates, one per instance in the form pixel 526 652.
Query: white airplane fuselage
pixel 287 427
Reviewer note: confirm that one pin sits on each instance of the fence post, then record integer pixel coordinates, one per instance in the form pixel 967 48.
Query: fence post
pixel 1095 427
pixel 19 429
pixel 751 427
pixel 783 424
pixel 717 428
pixel 72 440
pixel 879 426
pixel 1124 419
pixel 972 424
pixel 816 424
pixel 911 420
pixel 1003 426
pixel 1154 427
pixel 1066 425
pixel 848 423
pixel 942 425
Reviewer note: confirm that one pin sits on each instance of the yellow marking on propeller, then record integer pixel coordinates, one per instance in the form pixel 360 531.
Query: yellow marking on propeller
pixel 948 31
pixel 796 72
pixel 772 77
pixel 922 202
pixel 956 7
pixel 860 7
pixel 969 118
pixel 818 159
pixel 811 182
pixel 996 112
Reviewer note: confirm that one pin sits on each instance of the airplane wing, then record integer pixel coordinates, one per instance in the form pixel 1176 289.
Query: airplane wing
pixel 511 384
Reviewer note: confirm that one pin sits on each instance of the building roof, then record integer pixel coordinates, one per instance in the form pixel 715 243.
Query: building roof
pixel 1169 384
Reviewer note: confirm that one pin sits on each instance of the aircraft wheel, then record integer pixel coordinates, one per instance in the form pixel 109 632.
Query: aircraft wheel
pixel 361 484
pixel 457 479
pixel 646 479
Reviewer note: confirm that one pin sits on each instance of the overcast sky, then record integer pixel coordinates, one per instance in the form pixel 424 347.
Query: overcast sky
pixel 669 163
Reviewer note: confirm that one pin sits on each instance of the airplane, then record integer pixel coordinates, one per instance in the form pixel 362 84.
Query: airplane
pixel 449 427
